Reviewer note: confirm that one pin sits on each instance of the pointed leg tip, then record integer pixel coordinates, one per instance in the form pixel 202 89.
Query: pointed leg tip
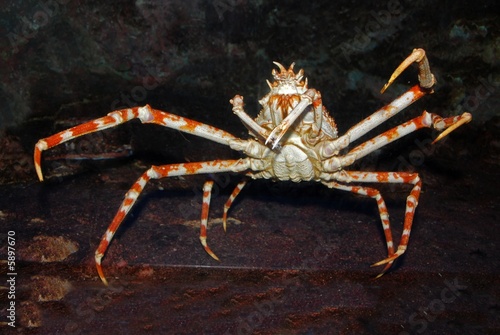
pixel 98 265
pixel 104 281
pixel 101 274
pixel 384 261
pixel 224 221
pixel 209 251
pixel 39 173
pixel 465 118
pixel 384 88
pixel 377 263
pixel 212 254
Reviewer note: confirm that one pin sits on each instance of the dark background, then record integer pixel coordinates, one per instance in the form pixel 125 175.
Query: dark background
pixel 295 258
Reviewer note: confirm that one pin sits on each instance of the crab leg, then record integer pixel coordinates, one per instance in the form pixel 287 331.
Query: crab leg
pixel 426 120
pixel 382 209
pixel 425 77
pixel 146 114
pixel 465 118
pixel 426 82
pixel 207 194
pixel 253 126
pixel 230 201
pixel 411 203
pixel 377 118
pixel 157 172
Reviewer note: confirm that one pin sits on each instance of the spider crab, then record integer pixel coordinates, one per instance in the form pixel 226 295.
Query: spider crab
pixel 293 138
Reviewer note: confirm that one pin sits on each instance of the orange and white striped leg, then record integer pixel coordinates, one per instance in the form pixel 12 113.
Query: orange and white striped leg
pixel 207 194
pixel 426 120
pixel 411 200
pixel 230 201
pixel 382 209
pixel 411 205
pixel 426 82
pixel 374 120
pixel 146 114
pixel 157 172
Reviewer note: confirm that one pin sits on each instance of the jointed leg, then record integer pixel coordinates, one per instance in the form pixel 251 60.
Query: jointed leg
pixel 426 120
pixel 157 172
pixel 250 123
pixel 382 208
pixel 411 200
pixel 229 201
pixel 146 114
pixel 377 118
pixel 426 82
pixel 207 193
